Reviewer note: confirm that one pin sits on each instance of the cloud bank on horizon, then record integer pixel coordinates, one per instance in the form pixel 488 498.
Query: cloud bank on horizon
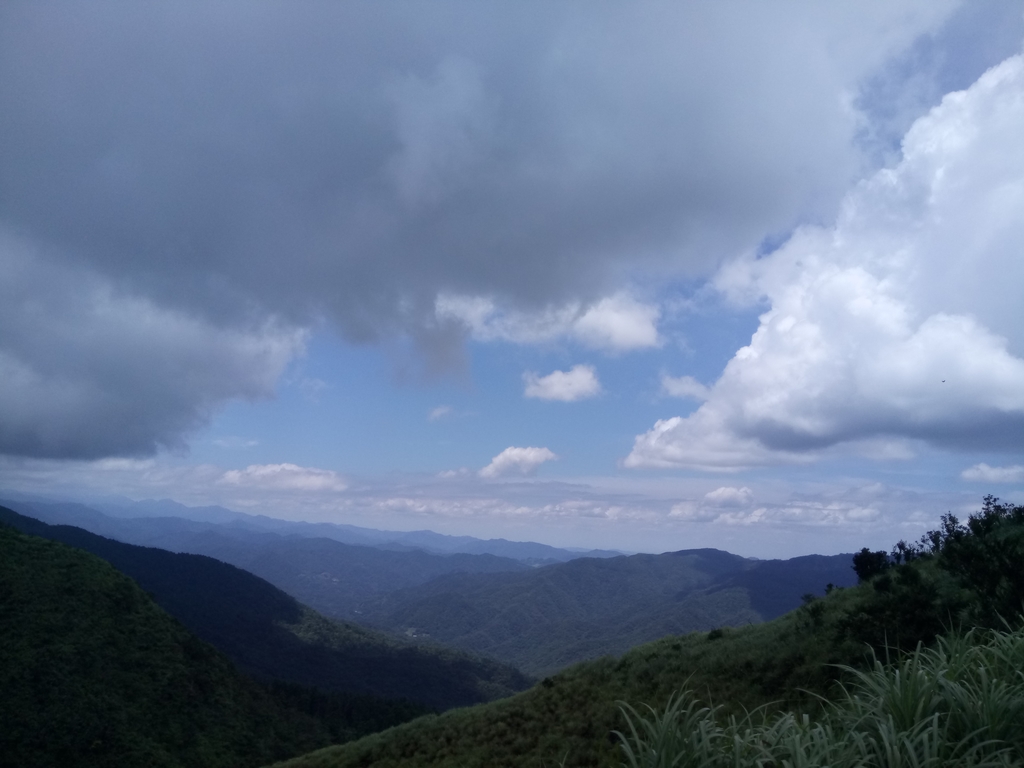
pixel 563 205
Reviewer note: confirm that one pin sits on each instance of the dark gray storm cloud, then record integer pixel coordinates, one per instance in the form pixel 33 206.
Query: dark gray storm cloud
pixel 87 371
pixel 237 172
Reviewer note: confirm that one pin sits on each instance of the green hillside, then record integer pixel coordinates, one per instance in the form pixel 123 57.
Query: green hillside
pixel 958 704
pixel 268 634
pixel 962 575
pixel 93 673
pixel 539 620
pixel 330 576
pixel 548 618
pixel 571 715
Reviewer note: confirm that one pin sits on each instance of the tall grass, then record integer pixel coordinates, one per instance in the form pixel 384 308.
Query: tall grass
pixel 960 703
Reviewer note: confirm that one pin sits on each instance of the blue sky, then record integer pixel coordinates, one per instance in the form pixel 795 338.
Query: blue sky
pixel 351 406
pixel 642 277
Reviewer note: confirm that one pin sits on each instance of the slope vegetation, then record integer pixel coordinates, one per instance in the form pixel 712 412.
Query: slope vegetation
pixel 571 715
pixel 268 634
pixel 332 577
pixel 538 619
pixel 962 575
pixel 548 618
pixel 93 673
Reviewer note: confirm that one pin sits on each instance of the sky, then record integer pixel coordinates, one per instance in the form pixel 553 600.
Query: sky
pixel 646 276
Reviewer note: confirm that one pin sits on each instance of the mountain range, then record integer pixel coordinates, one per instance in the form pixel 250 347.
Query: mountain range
pixel 270 635
pixel 545 619
pixel 529 552
pixel 537 618
pixel 965 579
pixel 95 675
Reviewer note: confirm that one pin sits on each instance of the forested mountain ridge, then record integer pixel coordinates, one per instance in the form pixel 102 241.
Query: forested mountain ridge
pixel 332 577
pixel 93 673
pixel 545 619
pixel 961 575
pixel 269 634
pixel 538 619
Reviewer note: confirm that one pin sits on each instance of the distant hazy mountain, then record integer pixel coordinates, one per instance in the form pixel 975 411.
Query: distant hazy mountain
pixel 539 619
pixel 527 551
pixel 270 635
pixel 332 577
pixel 545 619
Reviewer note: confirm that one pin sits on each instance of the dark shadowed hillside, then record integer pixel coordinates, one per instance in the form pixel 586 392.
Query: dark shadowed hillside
pixel 94 673
pixel 329 576
pixel 776 587
pixel 272 636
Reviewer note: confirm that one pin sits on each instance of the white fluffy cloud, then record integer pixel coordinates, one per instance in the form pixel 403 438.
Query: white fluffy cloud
pixel 517 460
pixel 727 500
pixel 284 477
pixel 616 323
pixel 733 506
pixel 728 496
pixel 684 386
pixel 578 383
pixel 983 473
pixel 901 321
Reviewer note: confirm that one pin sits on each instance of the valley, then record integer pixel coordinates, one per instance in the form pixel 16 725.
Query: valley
pixel 539 618
pixel 326 684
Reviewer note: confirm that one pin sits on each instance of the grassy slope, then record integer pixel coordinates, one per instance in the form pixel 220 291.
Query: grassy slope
pixel 93 673
pixel 957 703
pixel 570 716
pixel 270 635
pixel 960 576
pixel 546 619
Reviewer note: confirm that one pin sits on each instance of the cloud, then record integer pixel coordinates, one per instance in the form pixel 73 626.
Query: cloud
pixel 578 383
pixel 284 477
pixel 731 506
pixel 249 172
pixel 983 473
pixel 616 323
pixel 727 496
pixel 517 460
pixel 725 502
pixel 651 514
pixel 692 512
pixel 450 474
pixel 88 369
pixel 444 123
pixel 440 412
pixel 684 386
pixel 900 322
pixel 235 442
pixel 353 162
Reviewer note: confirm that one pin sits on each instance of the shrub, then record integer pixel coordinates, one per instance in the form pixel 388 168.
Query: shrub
pixel 959 703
